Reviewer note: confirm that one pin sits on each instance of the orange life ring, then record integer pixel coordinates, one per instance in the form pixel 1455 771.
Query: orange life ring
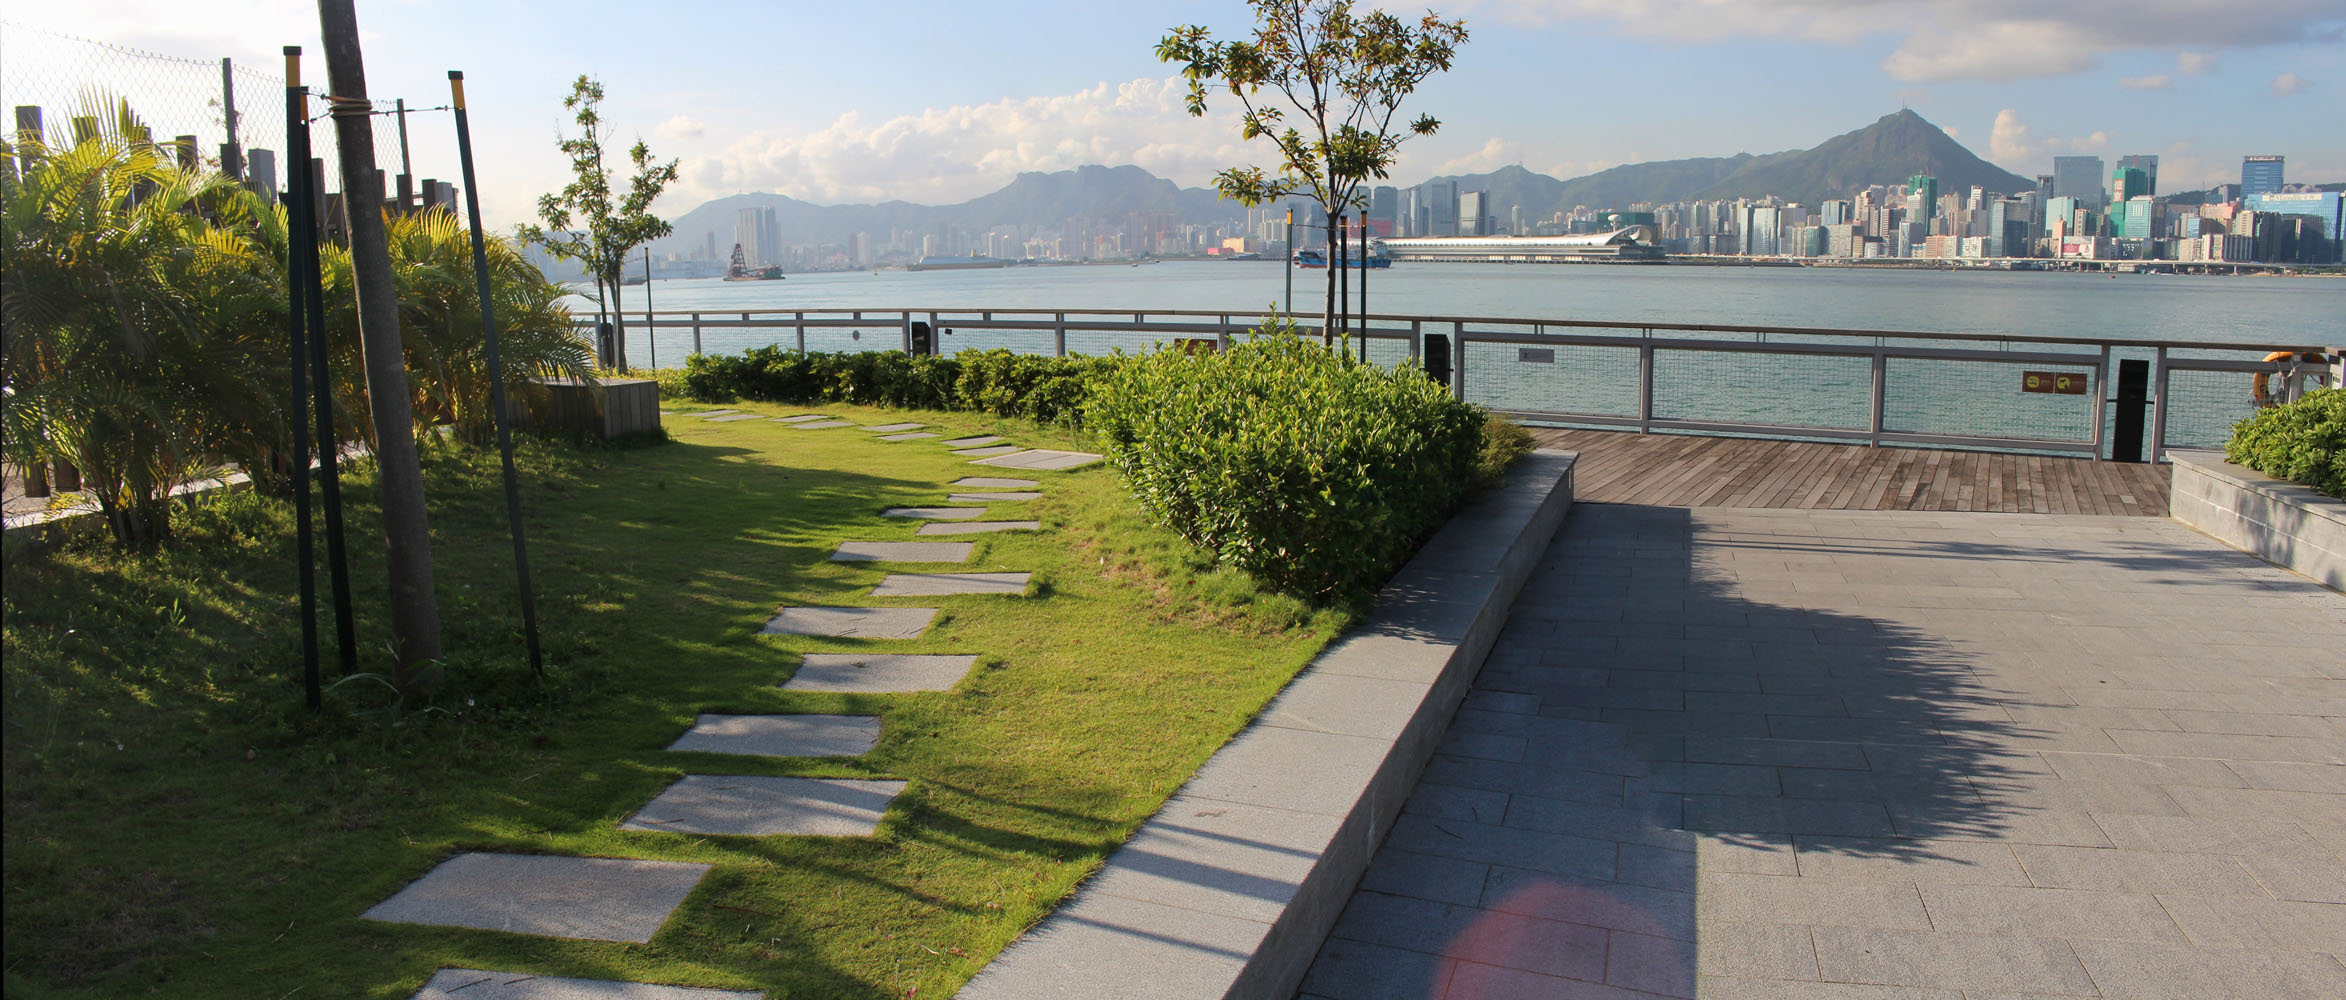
pixel 2260 389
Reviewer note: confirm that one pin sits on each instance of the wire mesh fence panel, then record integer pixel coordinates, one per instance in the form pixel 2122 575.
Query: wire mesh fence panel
pixel 1789 390
pixel 1385 351
pixel 869 335
pixel 1098 342
pixel 68 78
pixel 1989 399
pixel 2202 406
pixel 1565 378
pixel 956 339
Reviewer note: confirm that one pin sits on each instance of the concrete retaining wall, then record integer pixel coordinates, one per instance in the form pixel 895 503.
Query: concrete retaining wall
pixel 1229 890
pixel 2282 523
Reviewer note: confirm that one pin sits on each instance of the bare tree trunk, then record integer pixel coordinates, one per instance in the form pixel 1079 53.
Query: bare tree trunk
pixel 618 325
pixel 1328 308
pixel 415 613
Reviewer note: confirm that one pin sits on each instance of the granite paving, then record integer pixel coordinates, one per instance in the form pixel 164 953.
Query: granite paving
pixel 782 735
pixel 903 552
pixel 752 806
pixel 597 899
pixel 999 449
pixel 475 984
pixel 705 414
pixel 992 497
pixel 942 584
pixel 802 418
pixel 976 527
pixel 1041 459
pixel 879 673
pixel 1877 754
pixel 852 623
pixel 986 483
pixel 914 436
pixel 973 442
pixel 731 417
pixel 894 428
pixel 934 513
pixel 824 425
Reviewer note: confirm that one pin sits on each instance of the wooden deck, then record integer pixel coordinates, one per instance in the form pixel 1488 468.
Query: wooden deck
pixel 1676 470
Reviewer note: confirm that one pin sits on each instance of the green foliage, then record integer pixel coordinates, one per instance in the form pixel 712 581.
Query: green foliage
pixel 1315 473
pixel 2303 442
pixel 610 230
pixel 1504 441
pixel 1042 388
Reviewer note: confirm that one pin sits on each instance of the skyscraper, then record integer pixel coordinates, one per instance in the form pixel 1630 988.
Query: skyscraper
pixel 2080 177
pixel 2149 165
pixel 1441 208
pixel 2128 182
pixel 2260 175
pixel 1384 211
pixel 1474 214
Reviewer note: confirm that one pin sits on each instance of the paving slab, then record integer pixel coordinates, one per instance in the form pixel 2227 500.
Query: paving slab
pixel 942 584
pixel 852 623
pixel 1000 449
pixel 879 673
pixel 973 442
pixel 824 425
pixel 894 428
pixel 731 417
pixel 992 497
pixel 476 984
pixel 705 414
pixel 595 899
pixel 802 418
pixel 903 552
pixel 735 805
pixel 782 735
pixel 1042 459
pixel 914 436
pixel 934 513
pixel 987 483
pixel 976 527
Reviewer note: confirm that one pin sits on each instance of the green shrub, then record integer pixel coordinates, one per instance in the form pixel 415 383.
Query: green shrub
pixel 1317 474
pixel 1039 387
pixel 2303 442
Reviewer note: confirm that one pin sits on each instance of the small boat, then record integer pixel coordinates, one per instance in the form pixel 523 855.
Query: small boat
pixel 1319 258
pixel 739 269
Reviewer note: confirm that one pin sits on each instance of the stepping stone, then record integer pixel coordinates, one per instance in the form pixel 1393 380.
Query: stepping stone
pixel 731 417
pixel 977 527
pixel 705 414
pixel 824 425
pixel 595 899
pixel 983 483
pixel 991 497
pixel 934 513
pixel 1042 459
pixel 973 442
pixel 914 436
pixel 1000 449
pixel 801 418
pixel 939 584
pixel 891 428
pixel 747 806
pixel 878 673
pixel 782 735
pixel 902 552
pixel 852 623
pixel 478 985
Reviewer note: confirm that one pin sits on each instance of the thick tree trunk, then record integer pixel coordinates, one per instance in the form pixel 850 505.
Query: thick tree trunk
pixel 1328 308
pixel 415 612
pixel 618 328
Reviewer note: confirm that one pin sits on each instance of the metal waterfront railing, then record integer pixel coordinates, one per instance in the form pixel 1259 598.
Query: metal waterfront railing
pixel 2004 393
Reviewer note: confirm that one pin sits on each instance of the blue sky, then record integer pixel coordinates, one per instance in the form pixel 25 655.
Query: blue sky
pixel 938 102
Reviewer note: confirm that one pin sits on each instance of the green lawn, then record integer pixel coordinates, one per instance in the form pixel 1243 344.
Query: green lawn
pixel 177 824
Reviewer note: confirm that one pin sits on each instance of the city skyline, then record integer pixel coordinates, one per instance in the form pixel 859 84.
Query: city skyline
pixel 940 103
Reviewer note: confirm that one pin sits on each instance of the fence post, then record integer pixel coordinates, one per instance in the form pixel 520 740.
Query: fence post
pixel 2101 387
pixel 696 333
pixel 231 152
pixel 1881 379
pixel 799 321
pixel 2158 442
pixel 1059 333
pixel 1416 340
pixel 1458 360
pixel 1645 382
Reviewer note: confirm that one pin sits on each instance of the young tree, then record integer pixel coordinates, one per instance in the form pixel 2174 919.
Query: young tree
pixel 583 225
pixel 1343 75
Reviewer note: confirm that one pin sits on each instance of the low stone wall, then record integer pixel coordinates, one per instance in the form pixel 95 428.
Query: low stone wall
pixel 1229 890
pixel 612 408
pixel 2280 522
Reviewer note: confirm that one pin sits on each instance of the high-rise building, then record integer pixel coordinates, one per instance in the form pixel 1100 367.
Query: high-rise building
pixel 769 239
pixel 2321 235
pixel 1925 189
pixel 1759 231
pixel 1441 208
pixel 2260 175
pixel 2128 183
pixel 2149 165
pixel 1474 214
pixel 1834 212
pixel 2080 177
pixel 1384 211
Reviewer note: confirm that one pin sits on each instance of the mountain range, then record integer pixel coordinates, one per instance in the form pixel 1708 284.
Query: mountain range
pixel 1886 152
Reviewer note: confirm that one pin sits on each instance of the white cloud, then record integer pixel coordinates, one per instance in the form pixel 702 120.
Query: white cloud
pixel 1959 39
pixel 2287 84
pixel 680 128
pixel 2011 146
pixel 951 154
pixel 2008 141
pixel 2158 81
pixel 2194 63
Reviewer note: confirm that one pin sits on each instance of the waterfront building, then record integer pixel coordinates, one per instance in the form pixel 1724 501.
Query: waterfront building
pixel 2260 175
pixel 1835 212
pixel 2128 182
pixel 1759 231
pixel 1972 247
pixel 1634 243
pixel 2149 165
pixel 1384 211
pixel 2319 239
pixel 2079 177
pixel 1922 196
pixel 2135 218
pixel 1442 208
pixel 1939 247
pixel 1845 241
pixel 1474 214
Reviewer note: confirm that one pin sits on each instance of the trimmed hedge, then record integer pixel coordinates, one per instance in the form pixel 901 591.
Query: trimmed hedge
pixel 1318 474
pixel 2303 442
pixel 1042 388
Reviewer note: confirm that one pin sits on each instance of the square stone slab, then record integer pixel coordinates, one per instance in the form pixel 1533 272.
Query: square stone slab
pixel 914 436
pixel 731 417
pixel 802 418
pixel 1000 449
pixel 902 552
pixel 937 584
pixel 1042 459
pixel 984 483
pixel 879 673
pixel 823 425
pixel 973 442
pixel 934 513
pixel 705 414
pixel 892 428
pixel 782 735
pixel 747 806
pixel 475 984
pixel 855 623
pixel 596 899
pixel 991 497
pixel 976 527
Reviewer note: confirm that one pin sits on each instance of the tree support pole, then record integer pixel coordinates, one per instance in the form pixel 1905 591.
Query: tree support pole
pixel 415 614
pixel 302 237
pixel 305 547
